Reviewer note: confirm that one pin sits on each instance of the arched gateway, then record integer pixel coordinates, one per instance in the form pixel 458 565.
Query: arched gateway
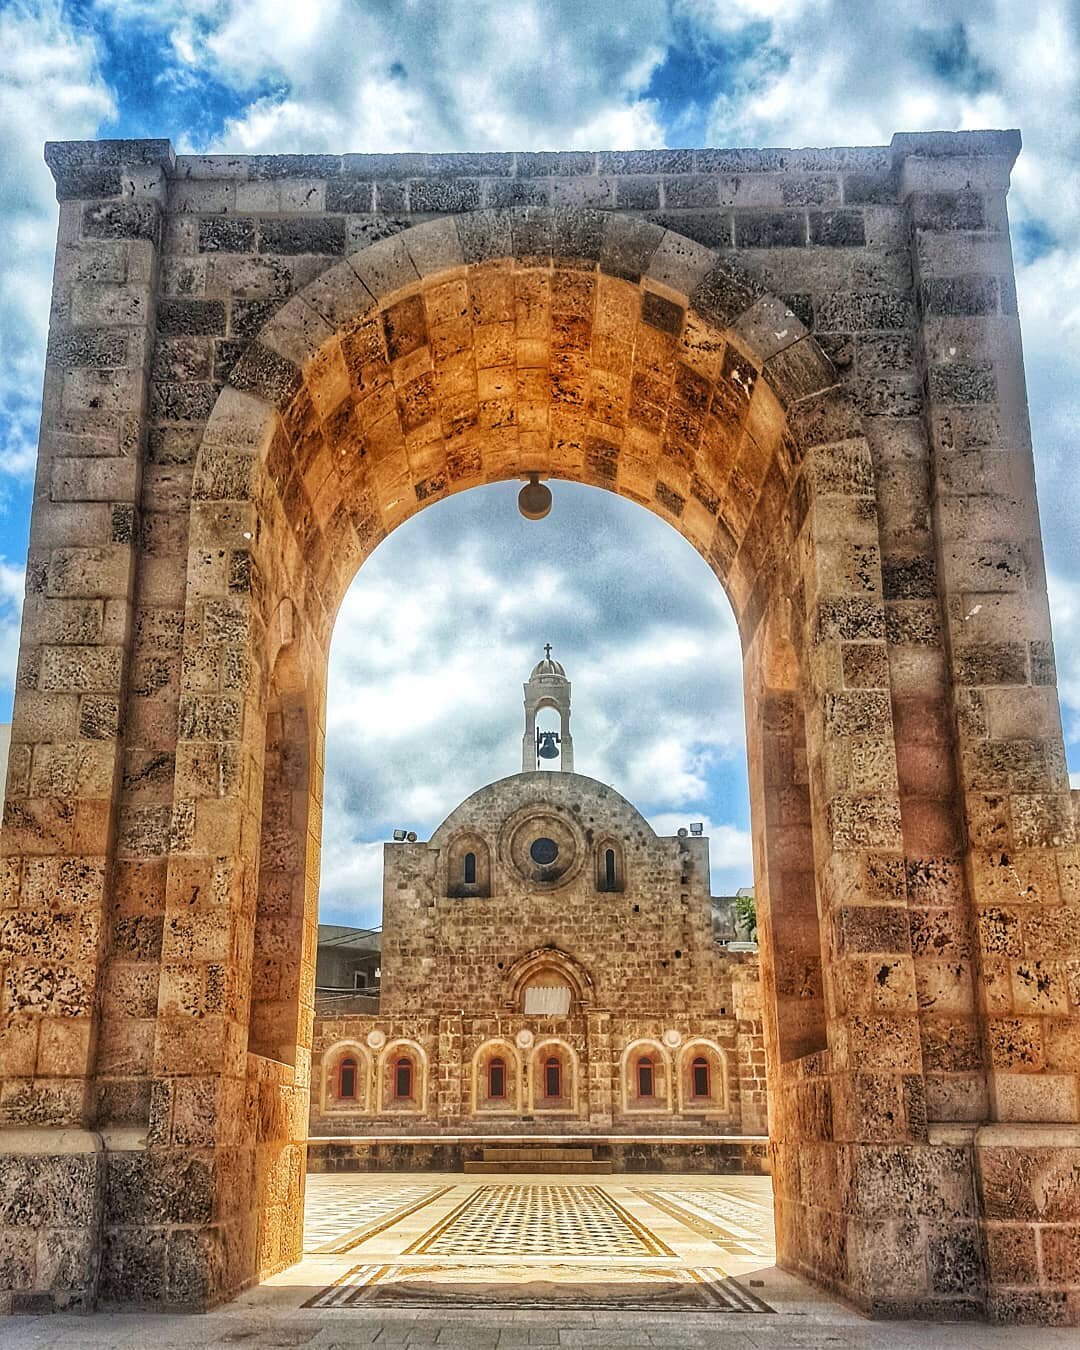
pixel 258 367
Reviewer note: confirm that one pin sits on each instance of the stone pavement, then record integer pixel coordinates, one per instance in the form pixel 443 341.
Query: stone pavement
pixel 441 1260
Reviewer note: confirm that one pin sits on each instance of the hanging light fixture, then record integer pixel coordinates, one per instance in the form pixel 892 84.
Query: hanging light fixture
pixel 534 499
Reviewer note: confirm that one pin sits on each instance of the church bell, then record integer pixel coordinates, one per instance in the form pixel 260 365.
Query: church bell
pixel 547 743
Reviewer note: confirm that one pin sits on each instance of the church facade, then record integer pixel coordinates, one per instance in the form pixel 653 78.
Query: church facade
pixel 548 966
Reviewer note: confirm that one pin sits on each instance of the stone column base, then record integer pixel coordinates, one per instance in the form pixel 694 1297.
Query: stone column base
pixel 1028 1177
pixel 52 1202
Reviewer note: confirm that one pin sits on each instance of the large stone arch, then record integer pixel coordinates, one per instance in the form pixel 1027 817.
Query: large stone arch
pixel 895 740
pixel 612 352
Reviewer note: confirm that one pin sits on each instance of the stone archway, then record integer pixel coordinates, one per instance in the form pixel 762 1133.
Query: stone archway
pixel 618 354
pixel 607 349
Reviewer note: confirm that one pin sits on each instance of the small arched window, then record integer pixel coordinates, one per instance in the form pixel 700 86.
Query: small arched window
pixel 645 1077
pixel 347 1079
pixel 497 1078
pixel 699 1075
pixel 552 1077
pixel 609 868
pixel 470 869
pixel 403 1078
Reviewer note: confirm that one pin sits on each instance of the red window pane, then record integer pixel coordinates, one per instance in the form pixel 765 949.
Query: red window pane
pixel 497 1078
pixel 347 1078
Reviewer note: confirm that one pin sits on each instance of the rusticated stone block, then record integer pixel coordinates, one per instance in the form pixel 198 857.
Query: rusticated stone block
pixel 191 318
pixel 122 220
pixel 946 211
pixel 770 229
pixel 301 234
pixel 837 229
pixel 226 234
pixel 967 296
pixel 992 663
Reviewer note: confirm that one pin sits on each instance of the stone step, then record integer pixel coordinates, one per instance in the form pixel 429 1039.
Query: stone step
pixel 520 1168
pixel 538 1154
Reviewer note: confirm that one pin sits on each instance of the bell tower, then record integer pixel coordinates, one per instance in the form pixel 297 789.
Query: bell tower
pixel 547 687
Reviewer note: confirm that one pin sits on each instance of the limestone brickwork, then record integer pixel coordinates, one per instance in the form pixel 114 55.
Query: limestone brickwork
pixel 648 991
pixel 807 362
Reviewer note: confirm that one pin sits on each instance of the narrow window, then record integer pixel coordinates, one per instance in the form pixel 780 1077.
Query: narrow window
pixel 552 1078
pixel 403 1074
pixel 470 869
pixel 497 1078
pixel 609 869
pixel 700 1073
pixel 347 1079
pixel 645 1077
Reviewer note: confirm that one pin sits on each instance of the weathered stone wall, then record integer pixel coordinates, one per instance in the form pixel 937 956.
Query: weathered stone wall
pixel 809 363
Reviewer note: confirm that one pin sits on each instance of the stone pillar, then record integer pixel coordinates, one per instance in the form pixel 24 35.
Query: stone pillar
pixel 600 1086
pixel 60 825
pixel 1018 840
pixel 749 1048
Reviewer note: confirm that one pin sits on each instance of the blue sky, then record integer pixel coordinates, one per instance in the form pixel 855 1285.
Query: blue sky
pixel 655 666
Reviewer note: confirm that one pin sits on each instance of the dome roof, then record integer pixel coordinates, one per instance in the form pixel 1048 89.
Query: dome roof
pixel 548 666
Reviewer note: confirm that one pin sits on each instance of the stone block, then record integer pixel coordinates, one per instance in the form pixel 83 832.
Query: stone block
pixel 226 234
pixel 770 229
pixel 301 234
pixel 122 220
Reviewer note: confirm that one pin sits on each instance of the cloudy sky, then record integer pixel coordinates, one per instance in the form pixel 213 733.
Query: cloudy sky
pixel 447 618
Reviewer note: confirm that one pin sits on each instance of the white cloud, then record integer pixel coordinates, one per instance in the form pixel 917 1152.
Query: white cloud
pixel 50 90
pixel 12 582
pixel 541 74
pixel 443 625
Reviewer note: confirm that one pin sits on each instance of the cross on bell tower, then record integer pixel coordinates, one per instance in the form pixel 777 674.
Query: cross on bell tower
pixel 547 687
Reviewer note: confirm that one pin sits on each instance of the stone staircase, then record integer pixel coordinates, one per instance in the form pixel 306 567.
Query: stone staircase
pixel 537 1158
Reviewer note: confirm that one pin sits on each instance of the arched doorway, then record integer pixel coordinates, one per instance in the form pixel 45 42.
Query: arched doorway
pixel 611 353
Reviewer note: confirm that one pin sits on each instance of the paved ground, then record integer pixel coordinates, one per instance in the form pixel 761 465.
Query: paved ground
pixel 443 1260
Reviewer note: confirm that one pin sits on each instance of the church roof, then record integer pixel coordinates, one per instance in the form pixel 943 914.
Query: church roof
pixel 548 666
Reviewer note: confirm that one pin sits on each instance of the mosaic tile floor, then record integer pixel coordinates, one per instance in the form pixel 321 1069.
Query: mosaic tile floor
pixel 540 1220
pixel 340 1217
pixel 534 1243
pixel 737 1225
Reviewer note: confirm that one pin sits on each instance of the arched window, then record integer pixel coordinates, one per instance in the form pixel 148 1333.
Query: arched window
pixel 609 868
pixel 645 1077
pixel 497 1078
pixel 470 869
pixel 552 1077
pixel 699 1077
pixel 403 1078
pixel 347 1079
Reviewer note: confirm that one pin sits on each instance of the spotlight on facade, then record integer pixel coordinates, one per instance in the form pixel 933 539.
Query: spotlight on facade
pixel 681 831
pixel 697 828
pixel 399 836
pixel 534 499
pixel 410 838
